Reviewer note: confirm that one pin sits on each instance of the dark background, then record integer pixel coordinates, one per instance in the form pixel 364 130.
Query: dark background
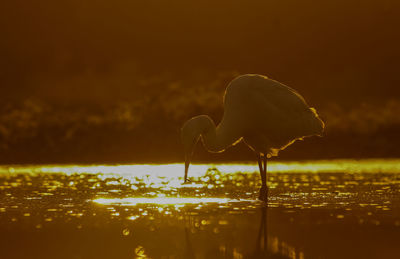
pixel 113 81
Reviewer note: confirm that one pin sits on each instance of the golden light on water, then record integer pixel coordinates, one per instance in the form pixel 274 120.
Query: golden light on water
pixel 165 201
pixel 176 170
pixel 141 202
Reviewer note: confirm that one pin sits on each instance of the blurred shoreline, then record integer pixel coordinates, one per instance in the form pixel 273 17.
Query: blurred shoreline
pixel 148 131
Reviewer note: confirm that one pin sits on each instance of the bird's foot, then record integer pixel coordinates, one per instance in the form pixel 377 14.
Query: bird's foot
pixel 263 194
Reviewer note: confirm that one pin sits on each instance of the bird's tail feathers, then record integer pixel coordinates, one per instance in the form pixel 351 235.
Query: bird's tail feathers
pixel 316 125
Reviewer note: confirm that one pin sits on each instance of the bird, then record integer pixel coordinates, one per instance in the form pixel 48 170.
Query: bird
pixel 263 113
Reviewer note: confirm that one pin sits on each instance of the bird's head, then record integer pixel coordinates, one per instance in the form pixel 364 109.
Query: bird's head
pixel 190 135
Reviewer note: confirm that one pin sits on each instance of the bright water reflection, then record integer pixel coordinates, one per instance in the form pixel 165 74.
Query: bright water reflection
pixel 145 211
pixel 196 170
pixel 166 201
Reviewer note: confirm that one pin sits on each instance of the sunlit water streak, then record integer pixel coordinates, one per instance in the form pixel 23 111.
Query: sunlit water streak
pixel 167 201
pixel 196 170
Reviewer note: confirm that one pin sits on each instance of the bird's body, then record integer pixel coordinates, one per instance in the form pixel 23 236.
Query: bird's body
pixel 266 114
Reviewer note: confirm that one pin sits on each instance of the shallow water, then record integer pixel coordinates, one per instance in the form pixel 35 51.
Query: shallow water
pixel 316 209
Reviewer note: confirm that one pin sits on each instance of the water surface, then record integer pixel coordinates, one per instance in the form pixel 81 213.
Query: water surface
pixel 316 209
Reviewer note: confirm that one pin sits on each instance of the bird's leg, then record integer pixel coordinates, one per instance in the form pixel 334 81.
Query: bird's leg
pixel 263 172
pixel 265 175
pixel 260 165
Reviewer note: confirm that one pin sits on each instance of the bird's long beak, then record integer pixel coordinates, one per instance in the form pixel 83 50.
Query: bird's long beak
pixel 187 163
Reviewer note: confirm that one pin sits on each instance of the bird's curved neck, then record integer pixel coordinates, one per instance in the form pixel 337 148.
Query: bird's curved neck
pixel 218 138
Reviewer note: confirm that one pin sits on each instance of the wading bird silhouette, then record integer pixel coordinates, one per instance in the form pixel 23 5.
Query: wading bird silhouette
pixel 267 115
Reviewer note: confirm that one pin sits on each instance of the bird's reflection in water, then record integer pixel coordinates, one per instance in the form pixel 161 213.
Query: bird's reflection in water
pixel 262 239
pixel 271 247
pixel 265 246
pixel 189 253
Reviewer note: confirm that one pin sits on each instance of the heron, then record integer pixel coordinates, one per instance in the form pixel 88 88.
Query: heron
pixel 263 113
